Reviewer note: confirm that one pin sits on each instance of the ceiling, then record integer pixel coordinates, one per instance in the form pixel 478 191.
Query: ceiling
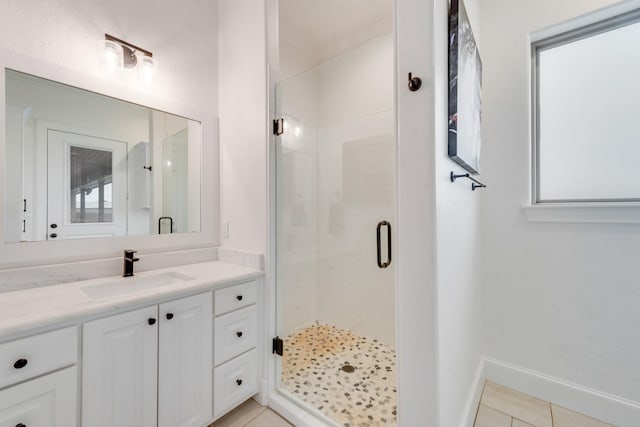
pixel 327 28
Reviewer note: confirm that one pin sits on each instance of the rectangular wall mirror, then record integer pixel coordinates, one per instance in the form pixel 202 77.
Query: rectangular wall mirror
pixel 79 164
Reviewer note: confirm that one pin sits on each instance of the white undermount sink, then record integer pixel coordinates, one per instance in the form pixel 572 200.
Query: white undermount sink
pixel 132 284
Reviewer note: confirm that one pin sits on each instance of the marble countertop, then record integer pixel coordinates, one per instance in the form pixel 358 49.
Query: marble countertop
pixel 29 310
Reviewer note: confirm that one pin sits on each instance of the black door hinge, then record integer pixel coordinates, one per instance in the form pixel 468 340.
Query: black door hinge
pixel 278 346
pixel 278 127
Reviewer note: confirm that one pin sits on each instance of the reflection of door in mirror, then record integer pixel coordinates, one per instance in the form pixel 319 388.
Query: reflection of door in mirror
pixel 87 178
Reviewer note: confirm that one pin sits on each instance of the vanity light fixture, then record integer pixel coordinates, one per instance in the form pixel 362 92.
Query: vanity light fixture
pixel 122 54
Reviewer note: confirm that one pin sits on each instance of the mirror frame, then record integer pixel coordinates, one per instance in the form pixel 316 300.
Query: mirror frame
pixel 29 254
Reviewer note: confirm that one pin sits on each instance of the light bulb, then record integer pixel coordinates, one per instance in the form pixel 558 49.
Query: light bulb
pixel 112 55
pixel 146 67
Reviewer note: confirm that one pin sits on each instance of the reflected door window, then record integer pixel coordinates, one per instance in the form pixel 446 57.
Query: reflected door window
pixel 86 186
pixel 91 182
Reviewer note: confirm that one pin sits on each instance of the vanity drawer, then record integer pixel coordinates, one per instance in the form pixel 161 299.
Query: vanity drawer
pixel 48 401
pixel 36 355
pixel 235 382
pixel 234 333
pixel 235 297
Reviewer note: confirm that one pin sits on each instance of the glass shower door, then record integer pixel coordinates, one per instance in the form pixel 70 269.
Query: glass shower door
pixel 335 167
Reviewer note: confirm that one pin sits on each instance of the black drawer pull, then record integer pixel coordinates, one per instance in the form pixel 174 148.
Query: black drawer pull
pixel 239 382
pixel 169 316
pixel 21 425
pixel 20 363
pixel 239 334
pixel 239 297
pixel 151 321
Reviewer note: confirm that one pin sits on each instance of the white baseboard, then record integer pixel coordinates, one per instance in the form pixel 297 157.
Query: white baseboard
pixel 603 406
pixel 473 399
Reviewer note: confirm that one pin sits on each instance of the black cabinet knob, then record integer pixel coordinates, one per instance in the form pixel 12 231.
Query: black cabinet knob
pixel 152 321
pixel 239 334
pixel 239 382
pixel 169 316
pixel 53 235
pixel 21 425
pixel 54 226
pixel 20 363
pixel 239 297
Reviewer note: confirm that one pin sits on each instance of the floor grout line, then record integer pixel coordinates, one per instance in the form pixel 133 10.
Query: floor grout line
pixel 497 410
pixel 264 408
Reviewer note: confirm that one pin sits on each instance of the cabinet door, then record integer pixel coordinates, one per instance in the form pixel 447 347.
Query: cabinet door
pixel 48 401
pixel 185 374
pixel 119 370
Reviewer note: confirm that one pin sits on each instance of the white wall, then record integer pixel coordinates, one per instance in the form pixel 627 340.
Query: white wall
pixel 561 299
pixel 243 123
pixel 416 216
pixel 459 292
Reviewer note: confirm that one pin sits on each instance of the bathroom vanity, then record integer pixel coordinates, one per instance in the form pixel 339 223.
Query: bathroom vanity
pixel 172 347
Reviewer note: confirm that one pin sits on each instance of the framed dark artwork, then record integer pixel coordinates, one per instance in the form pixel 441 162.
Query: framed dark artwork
pixel 465 88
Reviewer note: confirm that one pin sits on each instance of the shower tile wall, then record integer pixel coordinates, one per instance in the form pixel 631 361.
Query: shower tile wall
pixel 342 169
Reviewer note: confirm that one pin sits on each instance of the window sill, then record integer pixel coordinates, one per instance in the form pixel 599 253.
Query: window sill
pixel 612 213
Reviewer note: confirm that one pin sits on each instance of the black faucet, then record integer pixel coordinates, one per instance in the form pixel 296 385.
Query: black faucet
pixel 129 259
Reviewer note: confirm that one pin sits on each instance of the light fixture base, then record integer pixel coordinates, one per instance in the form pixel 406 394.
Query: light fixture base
pixel 129 58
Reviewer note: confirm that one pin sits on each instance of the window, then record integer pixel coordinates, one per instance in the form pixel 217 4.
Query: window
pixel 586 120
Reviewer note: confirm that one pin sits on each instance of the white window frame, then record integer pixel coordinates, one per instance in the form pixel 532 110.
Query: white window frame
pixel 595 211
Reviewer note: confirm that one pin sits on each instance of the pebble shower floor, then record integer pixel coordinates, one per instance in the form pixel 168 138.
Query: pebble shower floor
pixel 349 378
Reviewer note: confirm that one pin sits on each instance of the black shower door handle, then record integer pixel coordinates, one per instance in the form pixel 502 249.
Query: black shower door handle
pixel 378 229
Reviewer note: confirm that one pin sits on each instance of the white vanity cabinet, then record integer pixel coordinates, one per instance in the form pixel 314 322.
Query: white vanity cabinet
pixel 235 341
pixel 38 382
pixel 149 367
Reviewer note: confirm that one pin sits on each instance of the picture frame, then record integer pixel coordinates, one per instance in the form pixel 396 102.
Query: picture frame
pixel 465 90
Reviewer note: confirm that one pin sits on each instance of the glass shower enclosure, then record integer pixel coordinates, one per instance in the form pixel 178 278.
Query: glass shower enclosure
pixel 335 192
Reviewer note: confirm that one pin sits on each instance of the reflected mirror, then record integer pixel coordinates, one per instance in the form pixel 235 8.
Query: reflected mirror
pixel 79 164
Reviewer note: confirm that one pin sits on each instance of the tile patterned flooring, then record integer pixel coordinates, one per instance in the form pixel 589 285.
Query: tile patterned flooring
pixel 499 407
pixel 251 414
pixel 349 378
pixel 503 407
